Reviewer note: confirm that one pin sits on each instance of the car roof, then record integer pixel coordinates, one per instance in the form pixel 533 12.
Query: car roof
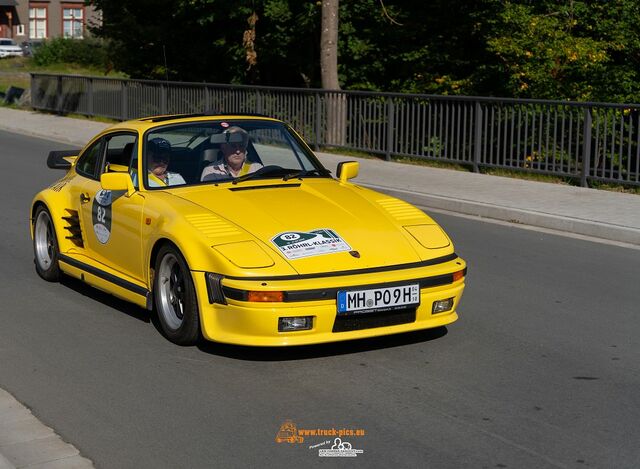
pixel 146 123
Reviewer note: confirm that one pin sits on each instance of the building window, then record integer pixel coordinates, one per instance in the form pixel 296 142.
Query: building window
pixel 72 22
pixel 20 30
pixel 38 23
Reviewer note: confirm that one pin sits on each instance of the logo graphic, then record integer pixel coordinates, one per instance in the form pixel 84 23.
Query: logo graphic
pixel 101 215
pixel 340 449
pixel 299 244
pixel 288 433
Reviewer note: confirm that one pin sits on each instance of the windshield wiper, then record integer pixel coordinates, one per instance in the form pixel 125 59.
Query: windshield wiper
pixel 305 172
pixel 260 172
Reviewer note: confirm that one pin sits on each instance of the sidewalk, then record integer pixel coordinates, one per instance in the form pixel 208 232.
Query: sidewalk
pixel 26 442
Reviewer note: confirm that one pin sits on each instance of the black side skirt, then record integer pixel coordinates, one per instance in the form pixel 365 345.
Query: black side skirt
pixel 132 287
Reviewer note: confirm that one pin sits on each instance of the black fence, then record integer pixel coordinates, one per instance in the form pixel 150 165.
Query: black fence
pixel 587 141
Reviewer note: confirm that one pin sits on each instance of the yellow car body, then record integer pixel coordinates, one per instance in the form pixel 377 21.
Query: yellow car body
pixel 241 244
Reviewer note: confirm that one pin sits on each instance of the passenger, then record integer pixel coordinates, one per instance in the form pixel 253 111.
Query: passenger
pixel 234 153
pixel 158 155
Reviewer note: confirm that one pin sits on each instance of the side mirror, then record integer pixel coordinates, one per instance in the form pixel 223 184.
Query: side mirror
pixel 117 182
pixel 347 170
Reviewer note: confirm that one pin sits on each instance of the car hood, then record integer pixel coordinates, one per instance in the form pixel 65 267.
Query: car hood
pixel 9 48
pixel 318 225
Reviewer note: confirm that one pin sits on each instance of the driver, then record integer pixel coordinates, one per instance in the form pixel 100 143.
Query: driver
pixel 234 153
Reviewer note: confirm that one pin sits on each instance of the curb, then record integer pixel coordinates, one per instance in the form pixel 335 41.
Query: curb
pixel 27 442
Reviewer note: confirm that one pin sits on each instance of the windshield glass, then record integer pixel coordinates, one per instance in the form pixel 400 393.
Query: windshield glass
pixel 7 42
pixel 226 151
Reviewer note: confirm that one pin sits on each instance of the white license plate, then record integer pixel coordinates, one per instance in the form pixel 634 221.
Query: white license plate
pixel 378 299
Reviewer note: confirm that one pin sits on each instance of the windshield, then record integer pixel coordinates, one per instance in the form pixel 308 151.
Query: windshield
pixel 223 151
pixel 7 42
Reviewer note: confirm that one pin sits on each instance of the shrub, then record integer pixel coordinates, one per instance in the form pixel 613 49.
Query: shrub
pixel 89 52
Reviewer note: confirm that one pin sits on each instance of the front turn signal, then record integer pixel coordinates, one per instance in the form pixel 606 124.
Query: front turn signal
pixel 265 296
pixel 459 275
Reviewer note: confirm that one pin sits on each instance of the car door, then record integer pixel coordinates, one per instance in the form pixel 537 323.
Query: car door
pixel 112 220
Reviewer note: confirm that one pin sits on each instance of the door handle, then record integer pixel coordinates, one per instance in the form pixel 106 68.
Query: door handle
pixel 84 198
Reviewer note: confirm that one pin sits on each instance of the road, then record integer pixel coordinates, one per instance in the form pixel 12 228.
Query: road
pixel 541 370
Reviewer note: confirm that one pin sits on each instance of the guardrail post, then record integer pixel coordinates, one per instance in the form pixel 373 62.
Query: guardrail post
pixel 207 99
pixel 33 92
pixel 163 99
pixel 90 96
pixel 318 122
pixel 124 101
pixel 59 96
pixel 586 147
pixel 477 138
pixel 258 102
pixel 390 124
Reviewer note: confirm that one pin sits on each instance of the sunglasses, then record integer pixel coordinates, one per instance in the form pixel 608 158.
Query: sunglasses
pixel 236 146
pixel 161 158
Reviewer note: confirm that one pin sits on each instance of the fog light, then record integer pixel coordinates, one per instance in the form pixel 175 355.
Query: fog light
pixel 298 323
pixel 441 306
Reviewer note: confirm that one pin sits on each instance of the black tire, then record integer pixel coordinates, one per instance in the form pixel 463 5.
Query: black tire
pixel 175 299
pixel 45 246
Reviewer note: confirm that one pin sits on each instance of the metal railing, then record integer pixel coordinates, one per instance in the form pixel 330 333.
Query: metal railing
pixel 586 141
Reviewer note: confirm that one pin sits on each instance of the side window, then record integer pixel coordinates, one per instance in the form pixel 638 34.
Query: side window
pixel 121 149
pixel 122 155
pixel 88 161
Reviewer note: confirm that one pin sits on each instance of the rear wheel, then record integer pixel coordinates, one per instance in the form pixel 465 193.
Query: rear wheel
pixel 175 297
pixel 45 246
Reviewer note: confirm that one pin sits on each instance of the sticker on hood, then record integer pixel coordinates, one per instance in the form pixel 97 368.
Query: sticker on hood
pixel 298 244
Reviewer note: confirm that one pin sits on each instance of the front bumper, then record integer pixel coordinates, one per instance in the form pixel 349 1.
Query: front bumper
pixel 4 54
pixel 249 323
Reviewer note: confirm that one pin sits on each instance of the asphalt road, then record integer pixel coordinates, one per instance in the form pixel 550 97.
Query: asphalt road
pixel 541 370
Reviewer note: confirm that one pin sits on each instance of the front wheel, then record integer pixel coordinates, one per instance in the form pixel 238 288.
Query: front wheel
pixel 175 297
pixel 45 246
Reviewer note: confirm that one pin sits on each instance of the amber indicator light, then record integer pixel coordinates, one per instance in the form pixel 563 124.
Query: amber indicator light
pixel 265 296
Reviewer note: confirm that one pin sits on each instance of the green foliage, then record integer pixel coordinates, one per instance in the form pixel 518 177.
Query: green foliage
pixel 575 49
pixel 86 52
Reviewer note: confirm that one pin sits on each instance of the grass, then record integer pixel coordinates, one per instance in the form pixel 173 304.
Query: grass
pixel 536 177
pixel 14 71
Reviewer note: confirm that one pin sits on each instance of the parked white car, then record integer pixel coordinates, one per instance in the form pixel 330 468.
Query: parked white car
pixel 9 48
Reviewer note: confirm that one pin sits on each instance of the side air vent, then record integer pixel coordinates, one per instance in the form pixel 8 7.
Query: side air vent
pixel 401 210
pixel 212 226
pixel 73 227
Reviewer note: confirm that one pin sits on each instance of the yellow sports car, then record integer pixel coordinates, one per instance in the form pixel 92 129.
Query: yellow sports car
pixel 230 228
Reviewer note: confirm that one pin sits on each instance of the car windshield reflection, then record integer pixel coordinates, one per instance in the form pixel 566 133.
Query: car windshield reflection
pixel 229 151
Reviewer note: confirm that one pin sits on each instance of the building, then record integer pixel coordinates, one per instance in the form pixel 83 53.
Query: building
pixel 24 20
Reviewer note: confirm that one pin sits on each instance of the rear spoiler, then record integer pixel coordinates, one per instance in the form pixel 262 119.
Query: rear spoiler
pixel 58 159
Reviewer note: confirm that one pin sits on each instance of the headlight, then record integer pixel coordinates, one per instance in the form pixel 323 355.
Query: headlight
pixel 245 254
pixel 430 236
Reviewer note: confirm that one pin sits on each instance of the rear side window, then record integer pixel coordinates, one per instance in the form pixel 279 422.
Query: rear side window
pixel 122 155
pixel 88 162
pixel 121 150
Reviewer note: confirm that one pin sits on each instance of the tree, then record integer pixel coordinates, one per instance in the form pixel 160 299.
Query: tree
pixel 329 45
pixel 575 50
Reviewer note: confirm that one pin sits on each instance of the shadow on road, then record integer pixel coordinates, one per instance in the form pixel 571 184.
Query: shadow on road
pixel 106 299
pixel 302 352
pixel 298 352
